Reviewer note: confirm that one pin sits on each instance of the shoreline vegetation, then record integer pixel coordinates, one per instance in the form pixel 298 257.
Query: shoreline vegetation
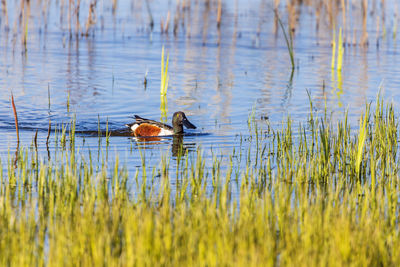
pixel 312 195
pixel 363 23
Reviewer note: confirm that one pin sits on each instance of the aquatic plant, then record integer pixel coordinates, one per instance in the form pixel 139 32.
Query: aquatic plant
pixel 164 86
pixel 15 116
pixel 289 41
pixel 362 135
pixel 333 50
pixel 219 13
pixel 164 73
pixel 68 100
pixel 340 51
pixel 337 81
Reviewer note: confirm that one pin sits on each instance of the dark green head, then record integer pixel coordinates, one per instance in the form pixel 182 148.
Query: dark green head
pixel 179 120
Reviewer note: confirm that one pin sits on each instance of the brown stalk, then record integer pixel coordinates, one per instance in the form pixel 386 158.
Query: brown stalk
pixel 114 6
pixel 45 13
pixel 5 14
pixel 47 140
pixel 206 14
pixel 318 14
pixel 276 6
pixel 166 26
pixel 23 23
pixel 77 11
pixel 177 18
pixel 35 139
pixel 151 23
pixel 48 133
pixel 91 18
pixel 26 22
pixel 219 13
pixel 344 33
pixel 69 17
pixel 330 13
pixel 291 15
pixel 364 40
pixel 15 116
pixel 176 23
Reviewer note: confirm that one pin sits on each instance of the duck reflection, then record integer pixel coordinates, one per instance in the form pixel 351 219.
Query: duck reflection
pixel 154 140
pixel 179 148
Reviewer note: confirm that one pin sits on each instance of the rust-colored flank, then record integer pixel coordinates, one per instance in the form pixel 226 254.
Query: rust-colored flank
pixel 146 129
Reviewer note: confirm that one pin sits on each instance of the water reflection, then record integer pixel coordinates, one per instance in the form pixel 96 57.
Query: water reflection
pixel 150 139
pixel 178 148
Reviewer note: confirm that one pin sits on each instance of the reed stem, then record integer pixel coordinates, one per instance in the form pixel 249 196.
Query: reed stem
pixel 15 116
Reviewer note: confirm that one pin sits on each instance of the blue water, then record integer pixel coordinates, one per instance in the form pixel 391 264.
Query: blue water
pixel 216 76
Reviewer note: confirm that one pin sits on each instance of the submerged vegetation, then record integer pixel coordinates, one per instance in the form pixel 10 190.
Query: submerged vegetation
pixel 320 194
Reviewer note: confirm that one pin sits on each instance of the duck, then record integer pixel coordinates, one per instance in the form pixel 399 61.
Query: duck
pixel 144 127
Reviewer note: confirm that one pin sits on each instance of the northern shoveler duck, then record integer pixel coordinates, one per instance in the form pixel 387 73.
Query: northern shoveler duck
pixel 145 127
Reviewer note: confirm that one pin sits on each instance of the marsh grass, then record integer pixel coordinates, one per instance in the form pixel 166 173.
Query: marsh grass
pixel 108 134
pixel 289 40
pixel 337 45
pixel 362 135
pixel 164 73
pixel 164 86
pixel 337 50
pixel 317 194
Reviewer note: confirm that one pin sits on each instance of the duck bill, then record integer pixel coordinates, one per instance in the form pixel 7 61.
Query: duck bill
pixel 188 124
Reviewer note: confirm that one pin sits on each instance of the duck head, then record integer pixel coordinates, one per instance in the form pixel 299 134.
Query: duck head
pixel 179 120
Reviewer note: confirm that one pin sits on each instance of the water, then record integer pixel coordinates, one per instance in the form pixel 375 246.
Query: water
pixel 217 76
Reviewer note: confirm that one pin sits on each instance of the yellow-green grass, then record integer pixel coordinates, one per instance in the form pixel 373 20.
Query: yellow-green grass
pixel 309 199
pixel 340 51
pixel 164 86
pixel 164 73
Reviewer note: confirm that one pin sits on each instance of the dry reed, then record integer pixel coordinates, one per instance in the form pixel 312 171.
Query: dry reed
pixel 15 116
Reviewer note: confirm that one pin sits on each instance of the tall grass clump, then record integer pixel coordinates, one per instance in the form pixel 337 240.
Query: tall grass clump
pixel 319 194
pixel 164 73
pixel 337 81
pixel 362 135
pixel 164 86
pixel 340 51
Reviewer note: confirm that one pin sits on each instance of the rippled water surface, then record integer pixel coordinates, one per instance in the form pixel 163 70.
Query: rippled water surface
pixel 216 75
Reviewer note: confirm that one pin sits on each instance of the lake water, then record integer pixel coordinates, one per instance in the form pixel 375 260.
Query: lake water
pixel 216 75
